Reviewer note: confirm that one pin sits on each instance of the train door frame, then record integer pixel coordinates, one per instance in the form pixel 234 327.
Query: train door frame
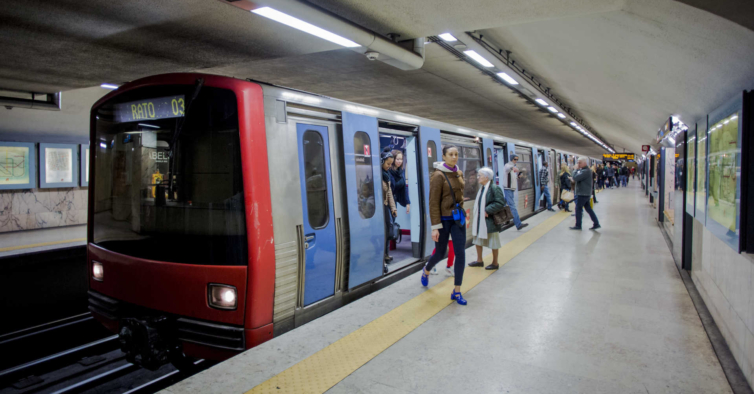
pixel 417 208
pixel 500 152
pixel 427 135
pixel 555 189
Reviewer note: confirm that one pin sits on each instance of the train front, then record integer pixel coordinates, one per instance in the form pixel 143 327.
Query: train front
pixel 168 247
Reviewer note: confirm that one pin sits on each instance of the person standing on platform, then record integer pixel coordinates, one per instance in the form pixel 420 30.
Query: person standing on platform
pixel 510 183
pixel 565 184
pixel 544 180
pixel 489 201
pixel 446 187
pixel 583 192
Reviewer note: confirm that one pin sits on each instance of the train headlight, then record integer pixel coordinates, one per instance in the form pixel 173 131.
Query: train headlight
pixel 98 272
pixel 222 296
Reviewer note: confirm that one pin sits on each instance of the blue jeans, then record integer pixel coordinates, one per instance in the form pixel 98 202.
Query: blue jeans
pixel 511 201
pixel 624 180
pixel 450 228
pixel 548 198
pixel 582 202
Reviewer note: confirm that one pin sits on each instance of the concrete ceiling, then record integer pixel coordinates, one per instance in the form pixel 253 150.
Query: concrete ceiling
pixel 622 65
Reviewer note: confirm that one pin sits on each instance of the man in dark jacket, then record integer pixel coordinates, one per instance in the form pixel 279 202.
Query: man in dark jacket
pixel 583 192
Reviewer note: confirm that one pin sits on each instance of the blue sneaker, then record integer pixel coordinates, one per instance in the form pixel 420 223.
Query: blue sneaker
pixel 458 298
pixel 425 278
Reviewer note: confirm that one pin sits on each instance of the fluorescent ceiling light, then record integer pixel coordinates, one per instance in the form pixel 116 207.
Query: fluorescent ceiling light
pixel 108 86
pixel 574 125
pixel 734 117
pixel 726 122
pixel 296 23
pixel 507 78
pixel 561 116
pixel 478 58
pixel 448 37
pixel 149 125
pixel 552 109
pixel 541 102
pixel 103 145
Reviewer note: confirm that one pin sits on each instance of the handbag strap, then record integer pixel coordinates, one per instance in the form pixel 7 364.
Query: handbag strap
pixel 452 193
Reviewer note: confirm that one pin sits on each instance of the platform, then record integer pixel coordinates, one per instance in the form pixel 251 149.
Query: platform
pixel 30 241
pixel 569 312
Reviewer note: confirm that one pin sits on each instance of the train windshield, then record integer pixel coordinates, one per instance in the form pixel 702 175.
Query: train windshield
pixel 167 176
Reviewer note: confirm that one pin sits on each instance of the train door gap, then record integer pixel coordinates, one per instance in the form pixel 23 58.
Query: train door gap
pixel 408 248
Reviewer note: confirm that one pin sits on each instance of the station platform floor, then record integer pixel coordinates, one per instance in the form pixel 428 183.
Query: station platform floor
pixel 30 241
pixel 568 312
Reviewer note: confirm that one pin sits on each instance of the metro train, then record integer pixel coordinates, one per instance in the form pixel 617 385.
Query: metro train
pixel 250 209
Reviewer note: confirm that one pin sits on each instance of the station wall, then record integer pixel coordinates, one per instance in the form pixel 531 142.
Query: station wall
pixel 724 279
pixel 44 208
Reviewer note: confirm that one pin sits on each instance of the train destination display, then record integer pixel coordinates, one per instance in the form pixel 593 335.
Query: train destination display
pixel 151 109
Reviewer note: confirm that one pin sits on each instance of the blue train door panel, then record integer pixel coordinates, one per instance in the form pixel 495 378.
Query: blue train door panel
pixel 430 151
pixel 319 223
pixel 366 221
pixel 536 162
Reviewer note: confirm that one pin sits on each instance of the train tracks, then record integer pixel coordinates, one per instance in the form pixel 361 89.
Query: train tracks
pixel 94 367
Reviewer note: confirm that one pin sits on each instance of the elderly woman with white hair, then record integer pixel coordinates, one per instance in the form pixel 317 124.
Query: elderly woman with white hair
pixel 489 201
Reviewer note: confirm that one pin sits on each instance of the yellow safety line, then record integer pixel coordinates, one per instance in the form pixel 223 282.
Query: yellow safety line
pixel 9 248
pixel 324 369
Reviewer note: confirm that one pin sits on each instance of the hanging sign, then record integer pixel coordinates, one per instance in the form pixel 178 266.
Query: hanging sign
pixel 645 148
pixel 619 156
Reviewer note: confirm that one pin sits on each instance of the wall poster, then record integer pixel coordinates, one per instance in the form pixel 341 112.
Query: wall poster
pixel 57 163
pixel 18 168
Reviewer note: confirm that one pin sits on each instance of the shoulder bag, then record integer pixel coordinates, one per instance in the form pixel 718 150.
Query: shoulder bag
pixel 459 216
pixel 504 216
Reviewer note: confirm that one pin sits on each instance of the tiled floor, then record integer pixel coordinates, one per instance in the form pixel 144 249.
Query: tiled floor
pixel 578 312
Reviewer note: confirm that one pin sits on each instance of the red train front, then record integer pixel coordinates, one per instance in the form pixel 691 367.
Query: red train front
pixel 179 244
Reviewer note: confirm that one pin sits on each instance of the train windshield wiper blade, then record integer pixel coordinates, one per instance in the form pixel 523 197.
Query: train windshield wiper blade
pixel 197 88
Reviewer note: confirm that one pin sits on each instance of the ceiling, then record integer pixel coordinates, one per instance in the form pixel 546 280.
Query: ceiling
pixel 623 66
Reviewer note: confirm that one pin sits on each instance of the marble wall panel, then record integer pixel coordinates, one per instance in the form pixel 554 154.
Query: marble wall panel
pixel 42 208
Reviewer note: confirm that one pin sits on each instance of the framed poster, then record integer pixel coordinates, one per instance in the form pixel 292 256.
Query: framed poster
pixel 18 165
pixel 84 150
pixel 58 165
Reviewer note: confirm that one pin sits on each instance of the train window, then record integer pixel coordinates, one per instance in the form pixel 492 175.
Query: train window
pixel 490 164
pixel 432 156
pixel 316 179
pixel 525 177
pixel 364 174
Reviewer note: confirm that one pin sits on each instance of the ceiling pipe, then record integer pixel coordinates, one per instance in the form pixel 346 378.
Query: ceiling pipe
pixel 54 102
pixel 406 55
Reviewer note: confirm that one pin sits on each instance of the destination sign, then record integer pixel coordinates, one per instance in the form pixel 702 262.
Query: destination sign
pixel 618 156
pixel 151 109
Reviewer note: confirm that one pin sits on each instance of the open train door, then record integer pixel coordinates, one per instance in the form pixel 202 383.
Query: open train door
pixel 366 222
pixel 429 140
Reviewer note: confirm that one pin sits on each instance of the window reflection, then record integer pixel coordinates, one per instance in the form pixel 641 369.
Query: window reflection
pixel 362 146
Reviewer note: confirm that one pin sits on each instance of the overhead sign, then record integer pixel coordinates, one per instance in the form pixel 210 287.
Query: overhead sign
pixel 618 156
pixel 152 109
pixel 645 148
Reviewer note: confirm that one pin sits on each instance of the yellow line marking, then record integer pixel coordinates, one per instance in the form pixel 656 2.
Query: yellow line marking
pixel 324 369
pixel 9 248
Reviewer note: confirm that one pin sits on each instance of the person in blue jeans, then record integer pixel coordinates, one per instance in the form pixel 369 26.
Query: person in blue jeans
pixel 583 192
pixel 510 182
pixel 544 180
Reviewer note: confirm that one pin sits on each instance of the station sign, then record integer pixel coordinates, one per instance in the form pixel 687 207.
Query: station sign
pixel 645 148
pixel 618 156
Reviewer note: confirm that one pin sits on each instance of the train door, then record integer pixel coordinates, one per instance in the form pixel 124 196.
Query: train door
pixel 429 141
pixel 363 182
pixel 320 245
pixel 538 166
pixel 403 144
pixel 525 187
pixel 554 187
pixel 499 160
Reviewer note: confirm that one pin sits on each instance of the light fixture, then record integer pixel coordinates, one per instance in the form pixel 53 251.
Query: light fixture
pixel 478 58
pixel 507 78
pixel 306 27
pixel 448 37
pixel 541 102
pixel 98 272
pixel 552 109
pixel 726 122
pixel 222 296
pixel 102 145
pixel 149 125
pixel 734 117
pixel 561 116
pixel 108 86
pixel 574 125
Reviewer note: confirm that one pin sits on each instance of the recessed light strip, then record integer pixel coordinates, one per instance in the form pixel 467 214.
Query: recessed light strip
pixel 306 27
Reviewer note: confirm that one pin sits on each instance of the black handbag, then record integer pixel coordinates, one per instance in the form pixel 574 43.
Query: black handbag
pixel 459 216
pixel 393 229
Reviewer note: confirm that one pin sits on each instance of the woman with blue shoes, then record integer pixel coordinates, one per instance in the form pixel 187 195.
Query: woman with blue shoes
pixel 448 217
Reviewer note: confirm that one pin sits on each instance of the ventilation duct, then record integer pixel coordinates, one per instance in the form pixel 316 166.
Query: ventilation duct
pixel 31 100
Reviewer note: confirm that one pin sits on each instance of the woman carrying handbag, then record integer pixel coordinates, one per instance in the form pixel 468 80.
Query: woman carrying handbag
pixel 489 202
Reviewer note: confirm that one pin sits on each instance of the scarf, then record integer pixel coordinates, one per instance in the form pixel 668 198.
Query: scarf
pixel 477 230
pixel 454 168
pixel 386 177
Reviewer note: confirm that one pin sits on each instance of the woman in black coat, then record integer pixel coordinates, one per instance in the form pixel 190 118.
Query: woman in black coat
pixel 565 184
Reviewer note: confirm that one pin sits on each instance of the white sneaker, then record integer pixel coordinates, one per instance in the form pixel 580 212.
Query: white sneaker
pixel 434 271
pixel 450 272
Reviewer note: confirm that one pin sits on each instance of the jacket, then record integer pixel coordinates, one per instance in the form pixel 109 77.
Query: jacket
pixel 387 196
pixel 583 179
pixel 440 201
pixel 398 183
pixel 495 203
pixel 565 183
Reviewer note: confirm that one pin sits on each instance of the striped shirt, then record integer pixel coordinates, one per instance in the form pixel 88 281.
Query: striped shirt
pixel 544 176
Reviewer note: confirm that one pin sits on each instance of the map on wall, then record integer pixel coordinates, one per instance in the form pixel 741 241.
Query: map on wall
pixel 59 165
pixel 14 165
